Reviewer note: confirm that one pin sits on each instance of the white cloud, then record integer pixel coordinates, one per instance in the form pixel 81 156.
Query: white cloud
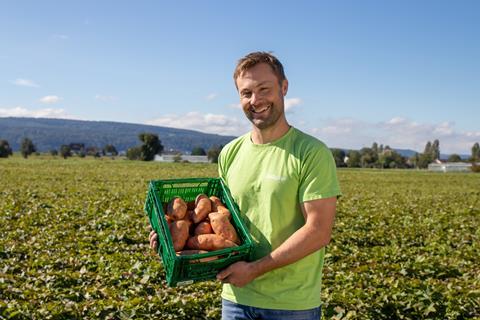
pixel 25 83
pixel 209 123
pixel 211 96
pixel 397 132
pixel 40 113
pixel 291 103
pixel 105 98
pixel 50 99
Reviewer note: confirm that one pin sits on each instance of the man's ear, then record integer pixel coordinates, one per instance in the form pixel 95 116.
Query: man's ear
pixel 284 87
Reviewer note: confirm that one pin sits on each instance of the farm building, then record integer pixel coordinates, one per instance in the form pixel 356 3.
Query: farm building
pixel 181 158
pixel 450 167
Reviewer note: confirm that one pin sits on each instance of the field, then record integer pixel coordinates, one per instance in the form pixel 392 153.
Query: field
pixel 73 244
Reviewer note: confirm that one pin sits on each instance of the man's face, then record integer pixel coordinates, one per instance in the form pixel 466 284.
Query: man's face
pixel 261 95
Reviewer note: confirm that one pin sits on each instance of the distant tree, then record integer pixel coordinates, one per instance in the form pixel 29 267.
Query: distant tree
pixel 150 147
pixel 424 160
pixel 134 153
pixel 475 152
pixel 375 148
pixel 198 151
pixel 5 149
pixel 391 159
pixel 427 156
pixel 368 158
pixel 110 149
pixel 428 148
pixel 435 150
pixel 27 147
pixel 454 158
pixel 213 153
pixel 82 153
pixel 339 156
pixel 93 152
pixel 353 159
pixel 54 152
pixel 65 151
pixel 413 161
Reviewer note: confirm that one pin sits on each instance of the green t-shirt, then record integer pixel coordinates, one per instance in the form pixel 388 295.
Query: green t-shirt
pixel 268 182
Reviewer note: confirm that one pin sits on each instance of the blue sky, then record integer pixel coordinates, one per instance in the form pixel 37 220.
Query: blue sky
pixel 396 72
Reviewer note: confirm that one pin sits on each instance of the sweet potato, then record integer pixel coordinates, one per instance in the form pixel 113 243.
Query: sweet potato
pixel 202 209
pixel 203 227
pixel 216 202
pixel 224 211
pixel 179 230
pixel 221 225
pixel 168 218
pixel 199 197
pixel 210 242
pixel 177 208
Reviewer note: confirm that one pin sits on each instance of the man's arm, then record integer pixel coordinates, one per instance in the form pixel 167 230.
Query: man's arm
pixel 314 235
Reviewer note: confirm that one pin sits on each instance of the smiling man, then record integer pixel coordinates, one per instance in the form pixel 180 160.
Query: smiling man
pixel 284 182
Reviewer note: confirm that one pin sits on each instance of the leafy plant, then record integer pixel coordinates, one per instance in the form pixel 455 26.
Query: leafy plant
pixel 73 244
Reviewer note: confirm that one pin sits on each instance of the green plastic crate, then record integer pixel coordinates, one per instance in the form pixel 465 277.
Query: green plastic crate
pixel 182 270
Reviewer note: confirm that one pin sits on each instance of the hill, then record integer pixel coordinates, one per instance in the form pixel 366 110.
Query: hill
pixel 48 134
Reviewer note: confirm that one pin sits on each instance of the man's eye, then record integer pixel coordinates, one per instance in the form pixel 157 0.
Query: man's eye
pixel 246 94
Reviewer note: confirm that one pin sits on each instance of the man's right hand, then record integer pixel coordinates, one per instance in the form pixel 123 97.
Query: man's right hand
pixel 153 238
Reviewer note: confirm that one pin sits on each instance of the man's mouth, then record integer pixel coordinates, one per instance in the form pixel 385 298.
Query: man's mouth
pixel 258 111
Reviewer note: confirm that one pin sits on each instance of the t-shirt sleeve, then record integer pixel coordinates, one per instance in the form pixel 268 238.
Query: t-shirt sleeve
pixel 318 179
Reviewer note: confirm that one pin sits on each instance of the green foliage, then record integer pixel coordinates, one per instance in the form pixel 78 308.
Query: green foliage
pixel 5 149
pixel 54 152
pixel 198 151
pixel 65 151
pixel 73 244
pixel 213 153
pixel 150 147
pixel 423 160
pixel 475 152
pixel 353 159
pixel 134 153
pixel 27 147
pixel 339 156
pixel 110 149
pixel 475 167
pixel 454 158
pixel 368 158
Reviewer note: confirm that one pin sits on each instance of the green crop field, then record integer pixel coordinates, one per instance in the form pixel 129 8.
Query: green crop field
pixel 73 244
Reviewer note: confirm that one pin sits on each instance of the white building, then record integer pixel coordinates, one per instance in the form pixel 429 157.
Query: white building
pixel 183 157
pixel 450 167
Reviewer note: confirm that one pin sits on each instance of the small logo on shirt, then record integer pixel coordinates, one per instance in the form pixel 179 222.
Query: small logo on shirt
pixel 269 176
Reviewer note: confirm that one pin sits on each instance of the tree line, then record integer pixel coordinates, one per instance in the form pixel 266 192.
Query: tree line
pixel 377 156
pixel 384 157
pixel 150 146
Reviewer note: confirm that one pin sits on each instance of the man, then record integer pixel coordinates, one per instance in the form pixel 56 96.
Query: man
pixel 284 182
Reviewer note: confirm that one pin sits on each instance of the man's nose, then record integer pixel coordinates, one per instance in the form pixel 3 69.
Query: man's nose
pixel 254 99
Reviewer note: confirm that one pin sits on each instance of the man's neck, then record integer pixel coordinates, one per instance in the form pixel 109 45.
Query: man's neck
pixel 262 136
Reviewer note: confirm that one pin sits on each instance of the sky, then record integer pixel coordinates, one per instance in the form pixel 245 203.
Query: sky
pixel 399 73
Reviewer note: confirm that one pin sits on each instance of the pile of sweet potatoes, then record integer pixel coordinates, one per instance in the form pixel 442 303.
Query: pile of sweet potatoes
pixel 200 226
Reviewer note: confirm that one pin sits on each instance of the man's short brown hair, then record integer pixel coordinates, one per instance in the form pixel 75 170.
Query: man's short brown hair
pixel 255 58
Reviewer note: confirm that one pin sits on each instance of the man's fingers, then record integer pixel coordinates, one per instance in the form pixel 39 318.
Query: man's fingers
pixel 223 274
pixel 153 240
pixel 152 233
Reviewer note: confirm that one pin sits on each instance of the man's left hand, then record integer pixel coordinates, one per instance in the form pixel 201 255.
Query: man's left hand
pixel 238 274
